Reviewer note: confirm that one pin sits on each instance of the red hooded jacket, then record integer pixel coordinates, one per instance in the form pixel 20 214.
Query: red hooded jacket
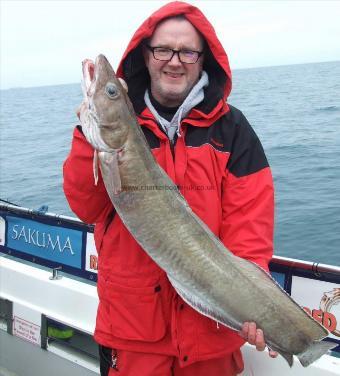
pixel 221 169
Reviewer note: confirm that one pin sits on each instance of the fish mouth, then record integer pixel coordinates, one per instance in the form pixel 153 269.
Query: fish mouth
pixel 89 77
pixel 89 66
pixel 92 71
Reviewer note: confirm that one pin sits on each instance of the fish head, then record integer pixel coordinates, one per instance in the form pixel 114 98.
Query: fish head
pixel 107 101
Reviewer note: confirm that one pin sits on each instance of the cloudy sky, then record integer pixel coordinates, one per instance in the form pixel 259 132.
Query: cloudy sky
pixel 44 42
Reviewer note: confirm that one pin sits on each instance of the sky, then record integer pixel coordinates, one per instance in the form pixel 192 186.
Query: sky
pixel 44 42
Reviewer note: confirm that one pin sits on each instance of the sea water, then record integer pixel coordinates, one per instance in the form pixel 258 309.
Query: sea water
pixel 295 110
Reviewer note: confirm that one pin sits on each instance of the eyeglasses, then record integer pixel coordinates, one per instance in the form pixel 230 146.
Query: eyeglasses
pixel 166 54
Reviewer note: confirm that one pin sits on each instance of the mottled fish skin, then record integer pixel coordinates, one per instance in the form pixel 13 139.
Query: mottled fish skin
pixel 209 277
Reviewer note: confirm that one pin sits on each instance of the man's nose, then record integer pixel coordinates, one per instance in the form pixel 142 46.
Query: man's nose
pixel 175 59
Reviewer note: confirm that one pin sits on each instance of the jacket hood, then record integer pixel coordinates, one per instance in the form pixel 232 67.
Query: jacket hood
pixel 132 67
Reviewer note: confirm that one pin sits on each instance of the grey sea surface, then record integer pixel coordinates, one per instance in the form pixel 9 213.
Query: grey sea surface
pixel 295 110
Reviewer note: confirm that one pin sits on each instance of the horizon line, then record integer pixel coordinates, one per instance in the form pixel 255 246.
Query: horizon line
pixel 232 70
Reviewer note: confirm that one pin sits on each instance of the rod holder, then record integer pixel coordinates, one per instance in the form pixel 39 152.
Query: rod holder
pixel 55 274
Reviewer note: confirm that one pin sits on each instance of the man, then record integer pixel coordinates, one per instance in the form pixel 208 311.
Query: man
pixel 179 78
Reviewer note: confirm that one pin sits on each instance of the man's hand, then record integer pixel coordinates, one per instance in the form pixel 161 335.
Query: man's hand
pixel 255 337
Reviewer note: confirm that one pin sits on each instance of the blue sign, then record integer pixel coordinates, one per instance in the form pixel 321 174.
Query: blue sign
pixel 279 278
pixel 52 243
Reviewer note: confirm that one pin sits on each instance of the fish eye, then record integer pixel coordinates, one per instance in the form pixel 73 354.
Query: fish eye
pixel 111 90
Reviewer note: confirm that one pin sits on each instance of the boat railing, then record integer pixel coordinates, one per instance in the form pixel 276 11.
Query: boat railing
pixel 65 244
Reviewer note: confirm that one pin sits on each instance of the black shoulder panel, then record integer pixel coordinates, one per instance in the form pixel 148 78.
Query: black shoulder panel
pixel 247 154
pixel 233 134
pixel 219 135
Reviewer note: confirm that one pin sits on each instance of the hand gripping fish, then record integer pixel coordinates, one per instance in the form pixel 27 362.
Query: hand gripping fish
pixel 205 274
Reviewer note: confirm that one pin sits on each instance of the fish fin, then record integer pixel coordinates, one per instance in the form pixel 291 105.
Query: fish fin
pixel 289 357
pixel 110 171
pixel 117 183
pixel 202 306
pixel 315 351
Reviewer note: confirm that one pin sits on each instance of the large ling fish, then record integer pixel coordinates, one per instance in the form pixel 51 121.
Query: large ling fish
pixel 205 274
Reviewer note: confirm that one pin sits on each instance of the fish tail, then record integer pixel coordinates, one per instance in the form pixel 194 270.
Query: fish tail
pixel 315 351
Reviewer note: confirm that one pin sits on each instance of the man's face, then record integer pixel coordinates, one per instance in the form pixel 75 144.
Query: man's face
pixel 171 81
